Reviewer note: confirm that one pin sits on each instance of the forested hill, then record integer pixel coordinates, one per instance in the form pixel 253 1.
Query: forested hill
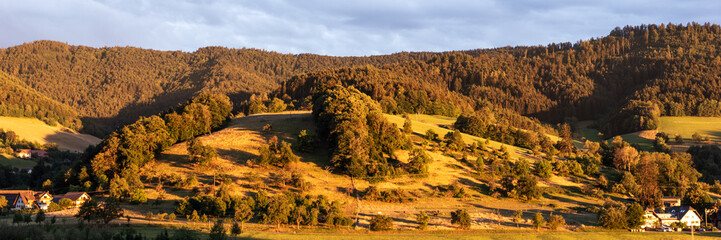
pixel 633 75
pixel 111 87
pixel 626 79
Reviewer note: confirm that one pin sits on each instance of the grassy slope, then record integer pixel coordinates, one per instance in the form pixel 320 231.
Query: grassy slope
pixel 685 126
pixel 238 143
pixel 9 160
pixel 35 130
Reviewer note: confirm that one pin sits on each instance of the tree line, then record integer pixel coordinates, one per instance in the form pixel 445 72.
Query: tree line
pixel 111 87
pixel 114 164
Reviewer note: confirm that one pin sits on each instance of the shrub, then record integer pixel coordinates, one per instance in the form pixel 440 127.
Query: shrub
pixel 423 220
pixel 461 218
pixel 544 168
pixel 431 135
pixel 235 230
pixel 538 221
pixel 217 232
pixel 381 223
pixel 555 221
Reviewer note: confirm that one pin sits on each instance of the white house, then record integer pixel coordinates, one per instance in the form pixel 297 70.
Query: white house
pixel 684 214
pixel 21 199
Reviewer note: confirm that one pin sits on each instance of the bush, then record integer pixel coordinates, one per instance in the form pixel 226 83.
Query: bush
pixel 423 220
pixel 555 221
pixel 431 135
pixel 538 221
pixel 381 223
pixel 461 218
pixel 544 168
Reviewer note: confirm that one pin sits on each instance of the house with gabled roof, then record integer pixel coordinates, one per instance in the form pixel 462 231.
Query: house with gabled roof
pixel 22 199
pixel 78 198
pixel 669 215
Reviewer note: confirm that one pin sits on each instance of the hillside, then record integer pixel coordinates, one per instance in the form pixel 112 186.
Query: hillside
pixel 238 143
pixel 36 131
pixel 625 80
pixel 112 87
pixel 19 100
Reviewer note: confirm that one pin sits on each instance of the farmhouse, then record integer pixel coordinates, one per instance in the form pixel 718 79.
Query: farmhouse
pixel 683 214
pixel 24 153
pixel 29 153
pixel 669 201
pixel 22 199
pixel 78 198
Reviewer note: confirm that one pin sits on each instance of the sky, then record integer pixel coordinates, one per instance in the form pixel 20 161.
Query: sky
pixel 334 27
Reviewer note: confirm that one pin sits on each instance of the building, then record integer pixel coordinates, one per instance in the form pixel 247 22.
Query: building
pixel 78 198
pixel 25 153
pixel 39 153
pixel 683 214
pixel 22 199
pixel 669 201
pixel 29 153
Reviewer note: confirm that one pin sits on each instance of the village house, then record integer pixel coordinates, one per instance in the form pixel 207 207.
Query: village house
pixel 78 198
pixel 22 199
pixel 29 153
pixel 24 153
pixel 669 201
pixel 666 217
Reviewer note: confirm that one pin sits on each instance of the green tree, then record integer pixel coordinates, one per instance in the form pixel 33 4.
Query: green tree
pixel 407 125
pixel 527 188
pixel 544 168
pixel 235 229
pixel 454 140
pixel 307 141
pixel 40 216
pixel 138 196
pixel 418 161
pixel 556 221
pixel 217 232
pixel 538 221
pixel 381 223
pixel 277 211
pixel 194 216
pixel 431 135
pixel 27 218
pixel 612 216
pixel 65 203
pixel 200 153
pixel 461 218
pixel 17 217
pixel 3 203
pixel 423 220
pixel 634 216
pixel 243 212
pixel 517 217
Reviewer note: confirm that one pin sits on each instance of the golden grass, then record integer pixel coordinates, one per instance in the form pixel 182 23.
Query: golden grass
pixel 34 130
pixel 238 143
pixel 687 126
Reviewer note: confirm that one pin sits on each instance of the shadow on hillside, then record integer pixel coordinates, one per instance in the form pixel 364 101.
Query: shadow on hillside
pixel 177 160
pixel 238 156
pixel 571 218
pixel 161 103
pixel 102 126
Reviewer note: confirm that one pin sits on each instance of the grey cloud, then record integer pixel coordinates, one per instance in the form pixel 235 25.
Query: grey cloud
pixel 333 27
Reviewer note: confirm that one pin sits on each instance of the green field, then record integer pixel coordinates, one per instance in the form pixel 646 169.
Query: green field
pixel 11 161
pixel 684 126
pixel 499 236
pixel 687 126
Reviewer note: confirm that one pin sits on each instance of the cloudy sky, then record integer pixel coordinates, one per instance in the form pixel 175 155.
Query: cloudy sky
pixel 333 27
